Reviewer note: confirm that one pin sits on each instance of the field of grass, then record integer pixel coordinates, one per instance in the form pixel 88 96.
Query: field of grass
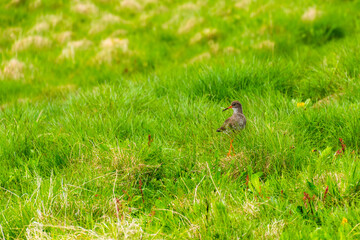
pixel 109 111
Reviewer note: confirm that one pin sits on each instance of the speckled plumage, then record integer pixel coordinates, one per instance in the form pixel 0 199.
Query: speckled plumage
pixel 237 121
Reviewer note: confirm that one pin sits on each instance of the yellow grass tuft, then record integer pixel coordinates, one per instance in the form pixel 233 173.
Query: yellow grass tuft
pixel 310 15
pixel 105 56
pixel 110 18
pixel 83 44
pixel 53 19
pixel 85 8
pixel 63 37
pixel 200 57
pixel 97 27
pixel 189 24
pixel 122 159
pixel 196 38
pixel 336 177
pixel 73 46
pixel 45 23
pixel 131 5
pixel 35 4
pixel 149 2
pixel 111 47
pixel 207 33
pixel 111 43
pixel 231 50
pixel 14 3
pixel 243 4
pixel 104 22
pixel 210 32
pixel 189 6
pixel 274 229
pixel 36 230
pixel 328 100
pixel 251 209
pixel 14 69
pixel 109 228
pixel 119 32
pixel 266 45
pixel 214 46
pixel 40 27
pixel 33 42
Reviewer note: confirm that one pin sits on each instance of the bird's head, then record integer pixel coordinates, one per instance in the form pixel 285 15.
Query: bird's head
pixel 236 106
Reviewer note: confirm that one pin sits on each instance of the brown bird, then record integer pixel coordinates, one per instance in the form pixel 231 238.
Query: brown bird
pixel 235 123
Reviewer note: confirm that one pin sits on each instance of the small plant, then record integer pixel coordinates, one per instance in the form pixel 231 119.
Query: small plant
pixel 342 150
pixel 150 140
pixel 313 207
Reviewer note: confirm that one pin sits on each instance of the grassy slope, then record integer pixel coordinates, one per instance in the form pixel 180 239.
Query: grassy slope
pixel 74 132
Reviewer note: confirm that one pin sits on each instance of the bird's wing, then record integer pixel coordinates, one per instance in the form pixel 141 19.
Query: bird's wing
pixel 224 126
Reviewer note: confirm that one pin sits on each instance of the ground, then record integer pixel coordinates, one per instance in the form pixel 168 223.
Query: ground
pixel 109 111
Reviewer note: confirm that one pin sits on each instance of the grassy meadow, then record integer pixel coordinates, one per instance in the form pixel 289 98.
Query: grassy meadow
pixel 109 111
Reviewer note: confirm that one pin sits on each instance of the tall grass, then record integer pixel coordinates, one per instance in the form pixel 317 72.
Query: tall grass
pixel 129 149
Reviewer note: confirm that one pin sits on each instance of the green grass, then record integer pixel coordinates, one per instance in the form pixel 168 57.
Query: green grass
pixel 76 161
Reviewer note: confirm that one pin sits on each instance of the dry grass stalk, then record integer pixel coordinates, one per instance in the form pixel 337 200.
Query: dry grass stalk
pixel 14 69
pixel 63 37
pixel 104 22
pixel 40 27
pixel 231 50
pixel 200 57
pixel 327 100
pixel 85 8
pixel 189 24
pixel 131 5
pixel 266 45
pixel 73 46
pixel 111 48
pixel 31 42
pixel 310 15
pixel 207 33
pixel 243 4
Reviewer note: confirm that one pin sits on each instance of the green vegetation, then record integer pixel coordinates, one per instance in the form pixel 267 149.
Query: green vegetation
pixel 109 111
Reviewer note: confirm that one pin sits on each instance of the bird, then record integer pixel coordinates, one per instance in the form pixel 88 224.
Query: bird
pixel 235 123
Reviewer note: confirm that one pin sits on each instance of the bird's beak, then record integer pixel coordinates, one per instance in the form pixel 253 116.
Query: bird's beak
pixel 227 108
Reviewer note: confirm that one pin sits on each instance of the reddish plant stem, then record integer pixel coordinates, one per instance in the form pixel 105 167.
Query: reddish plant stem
pixel 343 147
pixel 247 182
pixel 306 197
pixel 117 207
pixel 326 191
pixel 150 140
